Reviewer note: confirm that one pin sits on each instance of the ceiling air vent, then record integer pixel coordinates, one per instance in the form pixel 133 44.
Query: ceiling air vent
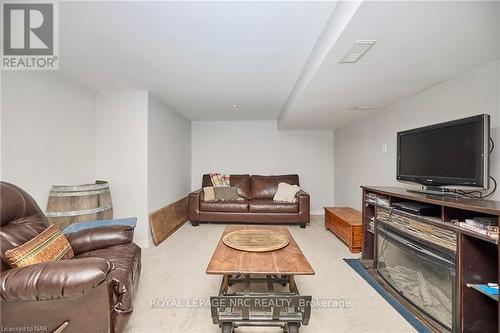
pixel 356 51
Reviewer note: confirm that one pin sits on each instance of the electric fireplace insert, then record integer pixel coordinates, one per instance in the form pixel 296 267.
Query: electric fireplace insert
pixel 422 275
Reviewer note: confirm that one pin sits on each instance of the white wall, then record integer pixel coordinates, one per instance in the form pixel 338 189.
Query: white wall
pixel 48 132
pixel 169 155
pixel 144 151
pixel 359 159
pixel 54 131
pixel 257 147
pixel 122 155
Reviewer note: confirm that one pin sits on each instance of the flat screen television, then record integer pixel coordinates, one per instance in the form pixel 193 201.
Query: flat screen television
pixel 451 154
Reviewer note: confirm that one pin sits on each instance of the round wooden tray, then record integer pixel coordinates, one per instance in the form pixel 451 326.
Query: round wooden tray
pixel 256 240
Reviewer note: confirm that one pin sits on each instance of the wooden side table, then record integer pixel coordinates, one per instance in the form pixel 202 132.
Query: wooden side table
pixel 345 223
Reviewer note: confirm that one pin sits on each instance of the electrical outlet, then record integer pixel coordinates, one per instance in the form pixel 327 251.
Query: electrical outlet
pixel 384 148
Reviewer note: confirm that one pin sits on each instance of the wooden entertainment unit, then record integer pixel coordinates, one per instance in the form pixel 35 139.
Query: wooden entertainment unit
pixel 473 256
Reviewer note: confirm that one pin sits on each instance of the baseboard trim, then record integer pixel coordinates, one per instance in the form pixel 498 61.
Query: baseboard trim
pixel 143 243
pixel 318 212
pixel 165 221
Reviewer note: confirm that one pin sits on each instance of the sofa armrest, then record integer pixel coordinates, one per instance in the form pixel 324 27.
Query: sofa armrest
pixel 194 205
pixel 54 279
pixel 303 199
pixel 100 237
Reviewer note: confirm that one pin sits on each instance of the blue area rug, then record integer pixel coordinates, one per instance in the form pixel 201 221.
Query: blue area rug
pixel 411 319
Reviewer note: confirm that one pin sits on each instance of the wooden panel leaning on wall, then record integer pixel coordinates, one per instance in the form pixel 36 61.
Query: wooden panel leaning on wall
pixel 165 221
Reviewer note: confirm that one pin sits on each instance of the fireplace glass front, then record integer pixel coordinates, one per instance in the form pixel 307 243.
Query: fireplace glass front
pixel 424 276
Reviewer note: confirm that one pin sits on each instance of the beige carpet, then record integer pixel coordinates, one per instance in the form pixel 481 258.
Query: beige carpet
pixel 173 281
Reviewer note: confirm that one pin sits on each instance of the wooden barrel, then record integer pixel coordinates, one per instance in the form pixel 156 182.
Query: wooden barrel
pixel 77 203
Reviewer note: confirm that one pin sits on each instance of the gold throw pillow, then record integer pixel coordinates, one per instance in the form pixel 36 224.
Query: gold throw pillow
pixel 49 245
pixel 208 193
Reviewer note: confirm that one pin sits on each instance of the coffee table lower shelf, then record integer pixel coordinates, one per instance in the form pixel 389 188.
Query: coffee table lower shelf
pixel 285 309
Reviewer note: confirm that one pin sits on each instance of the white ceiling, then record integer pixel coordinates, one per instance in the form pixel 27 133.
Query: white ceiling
pixel 420 44
pixel 202 57
pixel 198 57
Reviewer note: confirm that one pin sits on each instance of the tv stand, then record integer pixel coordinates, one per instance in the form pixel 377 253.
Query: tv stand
pixel 476 255
pixel 435 190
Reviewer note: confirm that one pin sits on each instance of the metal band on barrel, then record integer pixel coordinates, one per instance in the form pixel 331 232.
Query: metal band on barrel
pixel 78 212
pixel 86 187
pixel 78 194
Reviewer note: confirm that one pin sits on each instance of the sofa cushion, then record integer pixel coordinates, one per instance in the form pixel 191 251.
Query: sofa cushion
pixel 240 206
pixel 264 187
pixel 206 181
pixel 242 183
pixel 270 206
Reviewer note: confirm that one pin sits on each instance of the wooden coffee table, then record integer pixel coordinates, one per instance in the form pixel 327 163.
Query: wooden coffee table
pixel 238 304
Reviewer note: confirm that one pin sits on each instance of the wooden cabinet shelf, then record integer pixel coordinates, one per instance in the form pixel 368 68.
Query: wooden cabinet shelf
pixel 476 256
pixel 478 288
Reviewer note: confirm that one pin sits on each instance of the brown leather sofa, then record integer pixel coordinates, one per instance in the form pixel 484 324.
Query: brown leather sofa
pixel 258 205
pixel 91 292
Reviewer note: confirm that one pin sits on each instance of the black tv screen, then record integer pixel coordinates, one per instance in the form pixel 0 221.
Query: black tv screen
pixel 451 153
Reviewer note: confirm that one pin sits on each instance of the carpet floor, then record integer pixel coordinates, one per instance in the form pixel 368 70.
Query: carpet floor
pixel 174 288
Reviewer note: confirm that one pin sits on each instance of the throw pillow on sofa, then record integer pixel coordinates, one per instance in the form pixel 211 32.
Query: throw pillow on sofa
pixel 286 192
pixel 208 193
pixel 49 245
pixel 226 193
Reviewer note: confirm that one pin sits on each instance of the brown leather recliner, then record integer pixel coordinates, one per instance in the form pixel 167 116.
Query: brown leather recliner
pixel 257 205
pixel 91 292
